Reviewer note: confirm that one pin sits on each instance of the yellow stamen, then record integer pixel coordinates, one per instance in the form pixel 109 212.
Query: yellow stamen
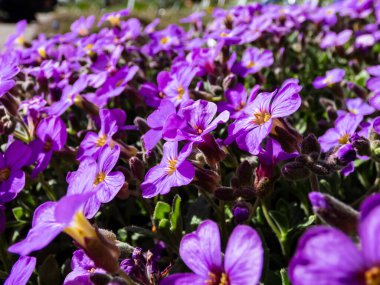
pixel 344 139
pixel 328 80
pixel 164 40
pixel 241 106
pixel 114 20
pixel 4 174
pixel 329 11
pixel 42 52
pixel 261 117
pixel 224 34
pixel 198 130
pixel 180 91
pixel 101 141
pixel 20 40
pixel 217 279
pixel 48 144
pixel 251 64
pixel 83 32
pixel 99 178
pixel 372 276
pixel 172 163
pixel 80 229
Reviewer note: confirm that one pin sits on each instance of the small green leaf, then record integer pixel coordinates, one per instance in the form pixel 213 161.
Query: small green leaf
pixel 175 215
pixel 18 212
pixel 164 225
pixel 161 211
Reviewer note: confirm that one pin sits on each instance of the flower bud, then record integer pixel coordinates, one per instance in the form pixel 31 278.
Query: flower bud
pixel 263 187
pixel 310 144
pixel 359 91
pixel 225 194
pixel 241 212
pixel 361 145
pixel 229 81
pixel 10 103
pixel 211 150
pixel 245 173
pixel 295 170
pixel 286 135
pixel 123 193
pixel 137 168
pixel 334 212
pixel 141 124
pixel 331 113
pixel 207 179
pixel 100 278
pixel 342 156
pixel 248 193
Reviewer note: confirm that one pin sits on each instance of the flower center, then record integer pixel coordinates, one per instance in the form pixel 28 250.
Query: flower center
pixel 251 64
pixel 83 32
pixel 99 178
pixel 4 174
pixel 344 139
pixel 172 163
pixel 372 276
pixel 164 40
pixel 198 130
pixel 180 91
pixel 20 40
pixel 329 11
pixel 101 141
pixel 80 229
pixel 224 35
pixel 114 20
pixel 261 117
pixel 42 52
pixel 47 145
pixel 217 279
pixel 241 106
pixel 328 80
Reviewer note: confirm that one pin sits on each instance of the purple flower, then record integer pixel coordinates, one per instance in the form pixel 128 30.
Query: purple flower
pixel 345 127
pixel 114 18
pixel 21 271
pixel 259 117
pixel 9 69
pixel 237 100
pixel 83 25
pixel 156 122
pixel 253 61
pixel 92 142
pixel 51 136
pixel 194 122
pixel 332 39
pixel 12 178
pixel 201 251
pixel 50 219
pixel 326 255
pixel 357 107
pixel 18 36
pixel 332 77
pixel 82 267
pixel 96 176
pixel 173 171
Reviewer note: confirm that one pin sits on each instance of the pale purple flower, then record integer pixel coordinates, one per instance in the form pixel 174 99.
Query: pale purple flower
pixel 114 18
pixel 83 25
pixel 201 251
pixel 250 129
pixel 173 171
pixel 357 107
pixel 9 69
pixel 344 128
pixel 332 39
pixel 253 61
pixel 332 77
pixel 326 255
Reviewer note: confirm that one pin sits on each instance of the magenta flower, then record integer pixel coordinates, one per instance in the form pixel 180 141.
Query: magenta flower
pixel 326 255
pixel 83 25
pixel 96 176
pixel 92 142
pixel 253 61
pixel 332 77
pixel 237 100
pixel 173 171
pixel 51 136
pixel 50 219
pixel 12 178
pixel 201 251
pixel 194 122
pixel 258 119
pixel 82 267
pixel 156 122
pixel 345 127
pixel 21 271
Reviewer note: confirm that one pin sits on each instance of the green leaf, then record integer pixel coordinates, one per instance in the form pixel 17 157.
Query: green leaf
pixel 164 225
pixel 281 221
pixel 284 277
pixel 49 273
pixel 18 212
pixel 175 215
pixel 361 78
pixel 161 211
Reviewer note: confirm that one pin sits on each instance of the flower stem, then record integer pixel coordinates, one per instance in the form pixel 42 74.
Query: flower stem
pixel 314 183
pixel 128 280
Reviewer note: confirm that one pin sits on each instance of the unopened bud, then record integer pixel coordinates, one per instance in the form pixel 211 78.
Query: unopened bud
pixel 248 193
pixel 295 170
pixel 211 150
pixel 359 91
pixel 137 168
pixel 141 124
pixel 334 212
pixel 310 144
pixel 100 278
pixel 263 187
pixel 241 212
pixel 331 113
pixel 10 103
pixel 225 194
pixel 123 193
pixel 286 135
pixel 207 179
pixel 245 173
pixel 361 145
pixel 229 81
